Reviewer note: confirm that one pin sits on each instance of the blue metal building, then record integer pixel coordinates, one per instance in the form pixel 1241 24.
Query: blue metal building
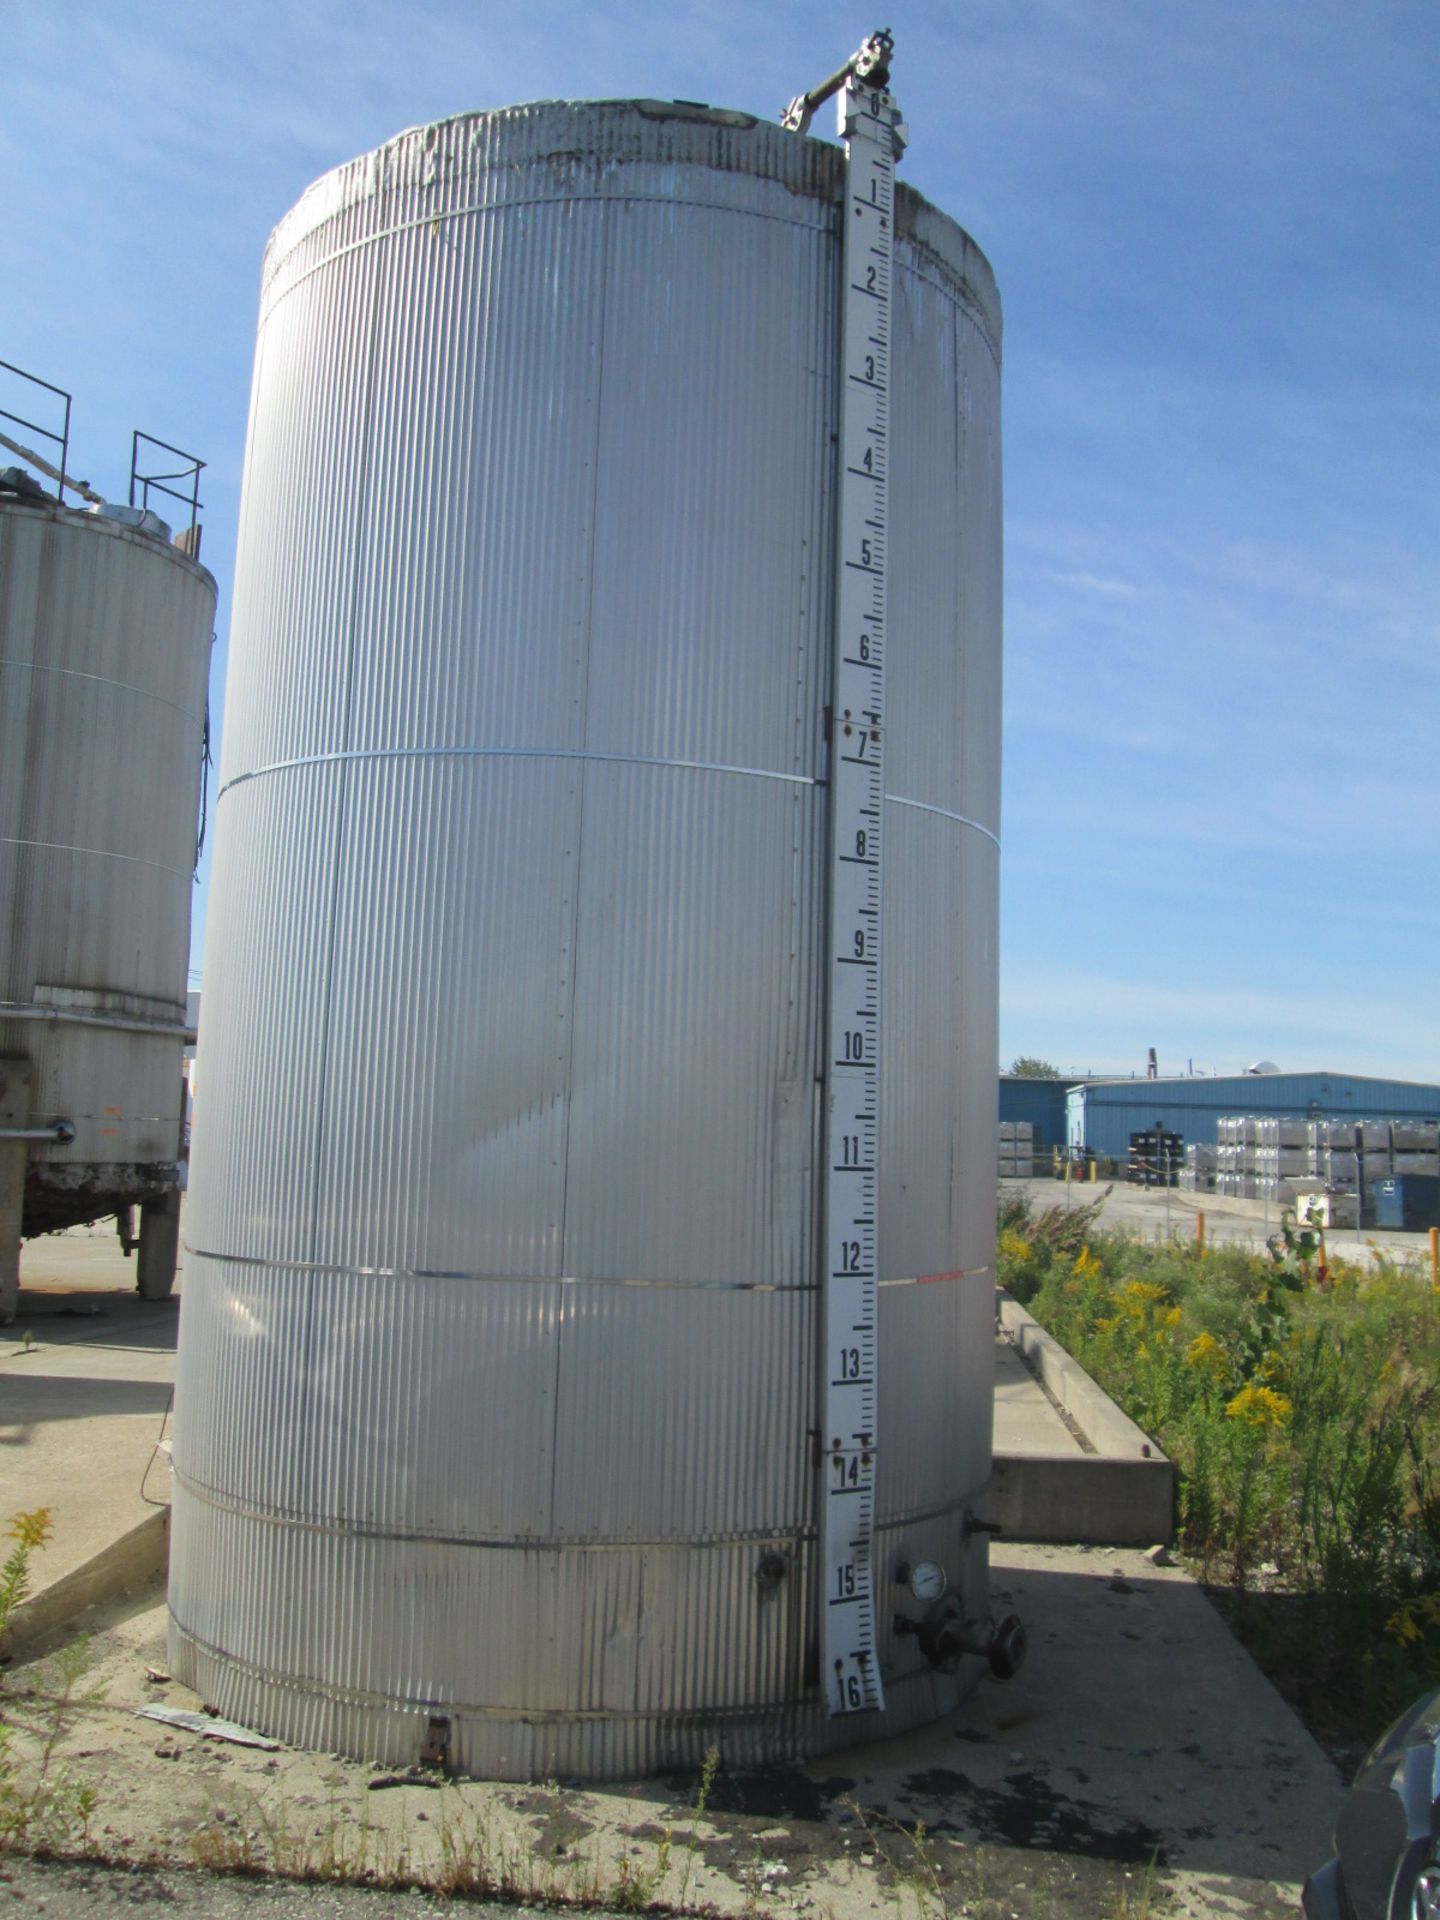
pixel 1041 1102
pixel 1102 1114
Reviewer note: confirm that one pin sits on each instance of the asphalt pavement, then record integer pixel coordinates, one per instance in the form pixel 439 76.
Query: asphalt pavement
pixel 1174 1213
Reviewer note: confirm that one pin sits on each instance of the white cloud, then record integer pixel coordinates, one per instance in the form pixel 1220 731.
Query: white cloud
pixel 1093 583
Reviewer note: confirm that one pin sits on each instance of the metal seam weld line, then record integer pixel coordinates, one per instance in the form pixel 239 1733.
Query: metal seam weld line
pixel 504 753
pixel 346 1525
pixel 412 1704
pixel 95 853
pixel 495 1279
pixel 346 755
pixel 942 813
pixel 102 680
pixel 955 289
pixel 546 1279
pixel 441 216
pixel 569 991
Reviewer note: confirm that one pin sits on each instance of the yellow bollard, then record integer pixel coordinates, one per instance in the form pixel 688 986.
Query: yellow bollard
pixel 1200 1230
pixel 1094 1169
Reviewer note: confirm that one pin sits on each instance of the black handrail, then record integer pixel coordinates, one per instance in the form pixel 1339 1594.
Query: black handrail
pixel 61 439
pixel 145 481
pixel 187 493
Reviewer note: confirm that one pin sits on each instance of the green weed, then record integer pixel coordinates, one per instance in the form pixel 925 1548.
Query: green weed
pixel 41 1807
pixel 1300 1403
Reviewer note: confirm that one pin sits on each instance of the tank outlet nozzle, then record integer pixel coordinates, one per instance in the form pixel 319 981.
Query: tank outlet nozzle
pixel 1009 1643
pixel 945 1639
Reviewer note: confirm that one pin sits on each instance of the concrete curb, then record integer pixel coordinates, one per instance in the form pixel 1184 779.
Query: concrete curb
pixel 1111 1432
pixel 1122 1494
pixel 129 1562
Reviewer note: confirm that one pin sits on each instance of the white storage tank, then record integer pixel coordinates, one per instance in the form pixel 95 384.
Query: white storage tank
pixel 497 1396
pixel 105 632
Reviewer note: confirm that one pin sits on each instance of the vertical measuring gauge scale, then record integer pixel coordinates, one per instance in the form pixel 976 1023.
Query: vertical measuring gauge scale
pixel 871 127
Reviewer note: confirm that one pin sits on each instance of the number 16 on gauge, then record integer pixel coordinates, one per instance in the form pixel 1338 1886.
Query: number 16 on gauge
pixel 852 1672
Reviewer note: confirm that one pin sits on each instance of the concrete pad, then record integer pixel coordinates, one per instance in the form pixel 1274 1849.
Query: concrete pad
pixel 1138 1732
pixel 1139 1726
pixel 86 1377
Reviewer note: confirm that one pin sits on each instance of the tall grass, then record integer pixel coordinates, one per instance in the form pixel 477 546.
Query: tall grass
pixel 42 1807
pixel 1301 1406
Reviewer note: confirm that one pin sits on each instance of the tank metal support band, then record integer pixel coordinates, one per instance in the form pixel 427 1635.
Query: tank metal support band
pixel 115 1022
pixel 943 813
pixel 354 755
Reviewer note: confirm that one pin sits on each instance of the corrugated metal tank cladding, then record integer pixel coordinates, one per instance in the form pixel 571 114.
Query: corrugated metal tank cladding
pixel 104 655
pixel 497 1374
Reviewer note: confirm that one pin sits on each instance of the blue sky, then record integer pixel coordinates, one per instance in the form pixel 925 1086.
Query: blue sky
pixel 1215 232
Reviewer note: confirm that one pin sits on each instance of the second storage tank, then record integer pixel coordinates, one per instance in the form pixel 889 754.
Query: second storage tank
pixel 497 1390
pixel 105 634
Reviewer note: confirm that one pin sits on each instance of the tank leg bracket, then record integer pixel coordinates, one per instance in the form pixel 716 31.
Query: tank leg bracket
pixel 14 1112
pixel 435 1747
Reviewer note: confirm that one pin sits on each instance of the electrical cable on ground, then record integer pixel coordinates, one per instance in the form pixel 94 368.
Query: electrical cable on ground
pixel 161 1446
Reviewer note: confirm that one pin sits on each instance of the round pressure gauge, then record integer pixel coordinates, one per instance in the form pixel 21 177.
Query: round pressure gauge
pixel 927 1581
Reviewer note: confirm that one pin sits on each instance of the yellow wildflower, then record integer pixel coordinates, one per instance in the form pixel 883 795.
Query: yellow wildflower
pixel 1143 1292
pixel 1206 1352
pixel 1086 1263
pixel 1139 1299
pixel 1408 1623
pixel 32 1529
pixel 1173 1317
pixel 1260 1407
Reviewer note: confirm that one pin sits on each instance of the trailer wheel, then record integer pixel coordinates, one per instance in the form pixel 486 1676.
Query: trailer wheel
pixel 159 1248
